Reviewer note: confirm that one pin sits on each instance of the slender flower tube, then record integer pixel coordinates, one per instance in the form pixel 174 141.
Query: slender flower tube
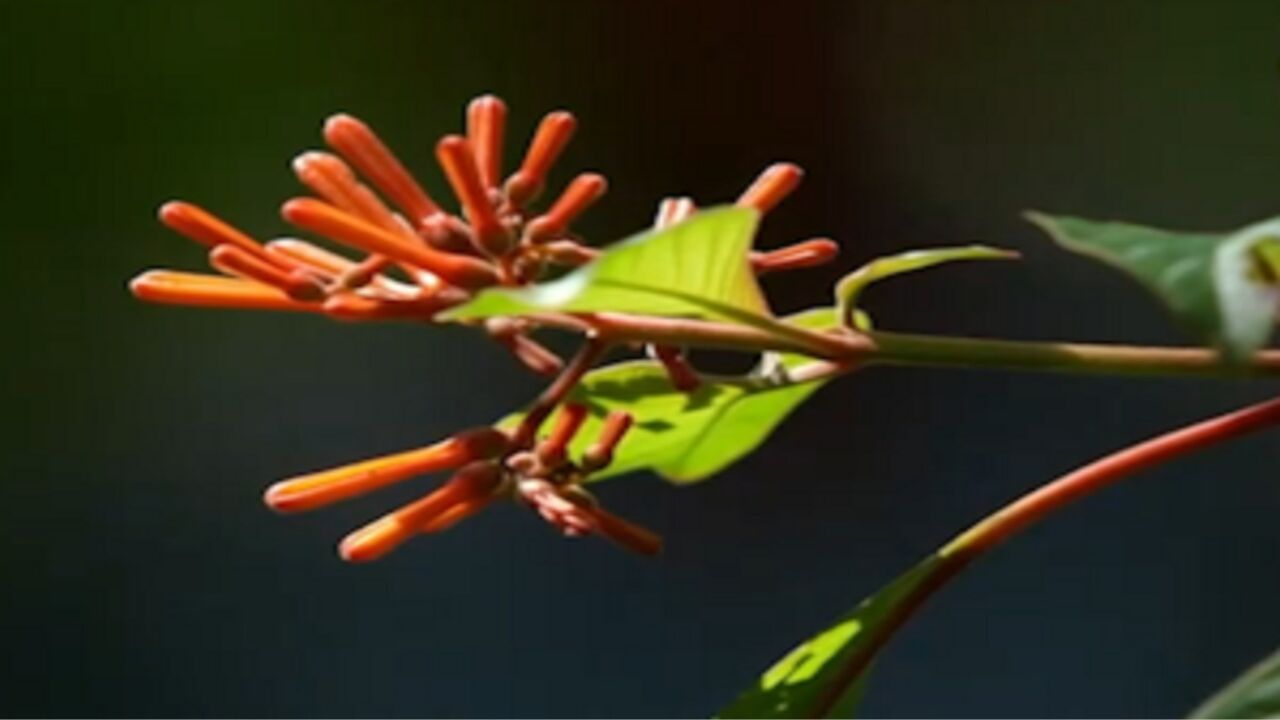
pixel 474 482
pixel 309 492
pixel 325 219
pixel 170 287
pixel 363 149
pixel 583 192
pixel 207 229
pixel 549 141
pixel 486 125
pixel 455 156
pixel 774 184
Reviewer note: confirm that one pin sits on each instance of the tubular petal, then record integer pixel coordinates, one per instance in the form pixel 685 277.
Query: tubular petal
pixel 234 261
pixel 809 253
pixel 551 451
pixel 308 492
pixel 600 453
pixel 473 482
pixel 625 533
pixel 324 219
pixel 548 142
pixel 311 256
pixel 576 198
pixel 208 229
pixel 774 184
pixel 178 288
pixel 362 148
pixel 455 156
pixel 486 125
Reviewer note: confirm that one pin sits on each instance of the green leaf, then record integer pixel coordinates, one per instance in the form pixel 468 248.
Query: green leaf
pixel 852 285
pixel 686 437
pixel 825 675
pixel 1255 694
pixel 1217 284
pixel 697 268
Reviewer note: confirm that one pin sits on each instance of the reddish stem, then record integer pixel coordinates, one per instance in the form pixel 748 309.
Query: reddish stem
pixel 1037 504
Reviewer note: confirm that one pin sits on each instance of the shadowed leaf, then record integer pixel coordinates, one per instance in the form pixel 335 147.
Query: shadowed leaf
pixel 1255 694
pixel 1221 286
pixel 696 268
pixel 686 437
pixel 825 675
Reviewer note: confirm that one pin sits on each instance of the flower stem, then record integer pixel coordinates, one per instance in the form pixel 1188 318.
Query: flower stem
pixel 903 349
pixel 1034 506
pixel 591 351
pixel 853 349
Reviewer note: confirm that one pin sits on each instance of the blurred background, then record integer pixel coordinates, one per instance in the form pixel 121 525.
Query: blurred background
pixel 142 576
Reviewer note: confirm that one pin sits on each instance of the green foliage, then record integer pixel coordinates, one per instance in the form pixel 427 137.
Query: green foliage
pixel 1255 694
pixel 696 268
pixel 1221 286
pixel 825 675
pixel 689 436
pixel 852 285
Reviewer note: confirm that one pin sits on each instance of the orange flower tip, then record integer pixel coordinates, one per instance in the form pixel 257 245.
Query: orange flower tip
pixel 325 219
pixel 282 499
pixel 551 451
pixel 550 139
pixel 374 541
pixel 297 284
pixel 362 148
pixel 600 453
pixel 584 191
pixel 486 124
pixel 459 162
pixel 209 230
pixel 143 283
pixel 771 187
pixel 809 253
pixel 627 534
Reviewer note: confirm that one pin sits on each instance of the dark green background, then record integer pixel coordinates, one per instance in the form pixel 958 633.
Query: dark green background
pixel 142 576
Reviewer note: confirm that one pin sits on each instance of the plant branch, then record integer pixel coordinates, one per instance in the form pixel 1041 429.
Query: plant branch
pixel 853 349
pixel 590 352
pixel 1034 506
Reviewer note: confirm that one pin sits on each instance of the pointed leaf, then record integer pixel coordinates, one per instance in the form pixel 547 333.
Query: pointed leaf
pixel 825 675
pixel 1255 694
pixel 686 437
pixel 852 285
pixel 1217 285
pixel 696 268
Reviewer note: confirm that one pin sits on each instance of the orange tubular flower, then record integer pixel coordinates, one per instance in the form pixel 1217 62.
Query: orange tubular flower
pixel 359 145
pixel 774 184
pixel 170 287
pixel 548 142
pixel 323 488
pixel 474 483
pixel 486 124
pixel 417 258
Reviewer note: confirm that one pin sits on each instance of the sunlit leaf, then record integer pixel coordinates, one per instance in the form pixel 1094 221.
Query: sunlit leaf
pixel 1255 694
pixel 696 268
pixel 1220 286
pixel 852 285
pixel 824 676
pixel 686 437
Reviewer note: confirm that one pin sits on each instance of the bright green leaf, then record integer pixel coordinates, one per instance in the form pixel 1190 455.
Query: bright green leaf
pixel 1216 284
pixel 686 437
pixel 1255 694
pixel 819 678
pixel 696 268
pixel 852 285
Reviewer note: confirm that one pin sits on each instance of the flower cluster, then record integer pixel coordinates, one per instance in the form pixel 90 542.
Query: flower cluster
pixel 418 259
